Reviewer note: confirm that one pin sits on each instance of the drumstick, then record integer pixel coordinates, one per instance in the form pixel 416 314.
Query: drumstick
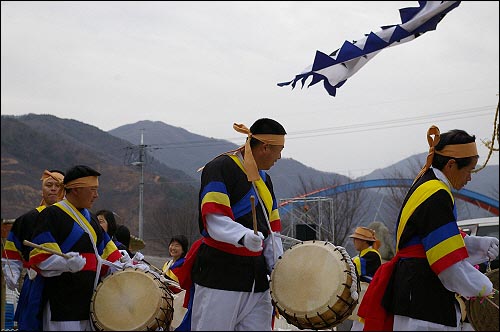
pixel 154 267
pixel 254 214
pixel 169 279
pixel 492 303
pixel 52 251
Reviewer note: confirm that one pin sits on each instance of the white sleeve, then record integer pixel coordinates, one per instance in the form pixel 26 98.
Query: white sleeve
pixel 466 280
pixel 272 252
pixel 11 264
pixel 224 229
pixel 53 266
pixel 11 269
pixel 56 265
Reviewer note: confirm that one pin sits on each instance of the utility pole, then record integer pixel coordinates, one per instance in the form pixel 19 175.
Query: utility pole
pixel 141 184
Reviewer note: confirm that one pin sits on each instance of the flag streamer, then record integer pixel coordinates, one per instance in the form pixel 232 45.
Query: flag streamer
pixel 336 68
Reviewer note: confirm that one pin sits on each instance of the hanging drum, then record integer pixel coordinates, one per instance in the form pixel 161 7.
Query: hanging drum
pixel 132 300
pixel 483 315
pixel 311 285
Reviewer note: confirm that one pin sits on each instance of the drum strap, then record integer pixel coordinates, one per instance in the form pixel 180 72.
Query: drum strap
pixel 271 233
pixel 76 216
pixel 264 210
pixel 461 303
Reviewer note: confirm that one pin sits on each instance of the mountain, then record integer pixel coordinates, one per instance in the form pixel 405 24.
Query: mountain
pixel 32 143
pixel 181 149
pixel 178 148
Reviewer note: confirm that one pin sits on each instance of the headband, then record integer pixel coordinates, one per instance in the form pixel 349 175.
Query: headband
pixel 87 181
pixel 452 150
pixel 59 178
pixel 52 175
pixel 459 150
pixel 248 159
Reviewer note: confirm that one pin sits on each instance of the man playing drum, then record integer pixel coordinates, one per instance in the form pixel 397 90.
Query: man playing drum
pixel 417 289
pixel 77 245
pixel 236 256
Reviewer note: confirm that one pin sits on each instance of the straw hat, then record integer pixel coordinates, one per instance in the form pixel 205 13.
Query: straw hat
pixel 364 233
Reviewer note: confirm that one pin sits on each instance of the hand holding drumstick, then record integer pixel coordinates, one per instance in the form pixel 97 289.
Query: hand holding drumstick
pixel 74 261
pixel 253 240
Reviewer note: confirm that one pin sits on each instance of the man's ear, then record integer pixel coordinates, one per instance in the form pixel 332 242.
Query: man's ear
pixel 450 163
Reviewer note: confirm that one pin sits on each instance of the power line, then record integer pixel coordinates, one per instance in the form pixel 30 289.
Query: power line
pixel 358 127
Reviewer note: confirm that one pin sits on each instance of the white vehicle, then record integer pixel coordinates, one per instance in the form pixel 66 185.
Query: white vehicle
pixel 481 227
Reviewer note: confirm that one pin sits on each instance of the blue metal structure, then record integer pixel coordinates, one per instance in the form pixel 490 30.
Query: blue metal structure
pixel 470 196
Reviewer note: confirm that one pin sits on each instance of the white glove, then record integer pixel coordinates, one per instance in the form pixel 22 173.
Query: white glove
pixel 493 249
pixel 481 248
pixel 252 241
pixel 137 257
pixel 12 271
pixel 141 266
pixel 76 262
pixel 125 257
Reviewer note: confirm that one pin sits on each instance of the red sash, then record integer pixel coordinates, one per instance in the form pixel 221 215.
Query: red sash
pixel 371 310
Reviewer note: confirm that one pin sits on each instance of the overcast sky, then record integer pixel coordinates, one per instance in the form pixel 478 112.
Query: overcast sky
pixel 203 65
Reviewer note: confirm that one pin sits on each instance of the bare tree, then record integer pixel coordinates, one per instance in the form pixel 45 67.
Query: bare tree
pixel 170 218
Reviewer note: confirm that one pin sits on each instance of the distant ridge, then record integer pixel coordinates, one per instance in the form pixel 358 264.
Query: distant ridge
pixel 31 143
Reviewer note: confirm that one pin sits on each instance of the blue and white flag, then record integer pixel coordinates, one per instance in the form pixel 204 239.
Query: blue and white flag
pixel 336 68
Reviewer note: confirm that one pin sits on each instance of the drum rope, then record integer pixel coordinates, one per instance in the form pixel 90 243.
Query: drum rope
pixel 354 283
pixel 271 233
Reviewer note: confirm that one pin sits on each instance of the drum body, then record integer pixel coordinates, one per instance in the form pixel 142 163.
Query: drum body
pixel 131 300
pixel 482 314
pixel 311 285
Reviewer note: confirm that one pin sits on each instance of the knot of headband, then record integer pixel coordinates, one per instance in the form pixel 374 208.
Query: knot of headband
pixel 433 130
pixel 248 159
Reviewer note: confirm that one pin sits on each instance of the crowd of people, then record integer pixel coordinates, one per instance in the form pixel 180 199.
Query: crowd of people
pixel 226 272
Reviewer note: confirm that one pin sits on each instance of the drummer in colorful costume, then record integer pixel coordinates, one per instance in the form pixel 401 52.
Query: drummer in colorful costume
pixel 417 289
pixel 231 262
pixel 15 256
pixel 68 227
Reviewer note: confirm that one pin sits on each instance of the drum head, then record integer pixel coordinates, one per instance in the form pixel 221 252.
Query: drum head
pixel 308 278
pixel 484 316
pixel 127 300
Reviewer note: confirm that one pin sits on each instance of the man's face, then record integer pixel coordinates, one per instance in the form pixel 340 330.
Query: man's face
pixel 85 196
pixel 272 153
pixel 359 244
pixel 459 177
pixel 50 191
